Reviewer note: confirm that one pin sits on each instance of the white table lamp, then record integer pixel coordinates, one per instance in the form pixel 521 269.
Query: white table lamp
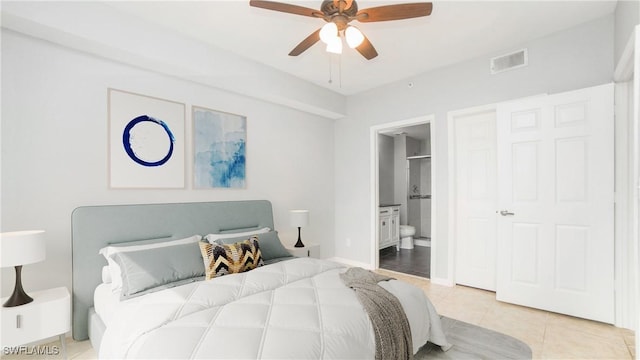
pixel 299 218
pixel 19 248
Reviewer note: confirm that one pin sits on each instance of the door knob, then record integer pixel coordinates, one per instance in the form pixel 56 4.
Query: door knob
pixel 506 213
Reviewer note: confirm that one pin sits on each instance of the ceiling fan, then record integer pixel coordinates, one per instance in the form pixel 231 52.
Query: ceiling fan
pixel 338 14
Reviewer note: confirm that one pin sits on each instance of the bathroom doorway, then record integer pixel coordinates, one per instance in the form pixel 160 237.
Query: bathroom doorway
pixel 403 185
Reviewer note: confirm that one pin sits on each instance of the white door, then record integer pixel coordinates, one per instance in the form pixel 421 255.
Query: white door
pixel 556 240
pixel 476 198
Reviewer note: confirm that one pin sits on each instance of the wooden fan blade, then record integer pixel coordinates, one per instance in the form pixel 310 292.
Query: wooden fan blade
pixel 366 49
pixel 306 43
pixel 394 12
pixel 286 8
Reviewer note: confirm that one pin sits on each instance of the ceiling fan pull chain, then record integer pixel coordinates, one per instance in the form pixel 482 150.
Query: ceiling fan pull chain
pixel 330 68
pixel 340 69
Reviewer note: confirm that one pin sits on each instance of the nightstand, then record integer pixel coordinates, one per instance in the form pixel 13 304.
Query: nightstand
pixel 309 250
pixel 48 315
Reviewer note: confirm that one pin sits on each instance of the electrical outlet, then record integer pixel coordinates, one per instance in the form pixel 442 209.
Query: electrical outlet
pixel 348 242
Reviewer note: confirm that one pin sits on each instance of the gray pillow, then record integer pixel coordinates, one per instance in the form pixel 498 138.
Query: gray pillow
pixel 147 269
pixel 269 242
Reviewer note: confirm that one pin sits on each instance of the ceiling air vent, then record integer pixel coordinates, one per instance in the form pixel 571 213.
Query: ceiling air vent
pixel 509 61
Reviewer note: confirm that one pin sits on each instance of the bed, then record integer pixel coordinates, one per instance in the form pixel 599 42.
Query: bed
pixel 289 308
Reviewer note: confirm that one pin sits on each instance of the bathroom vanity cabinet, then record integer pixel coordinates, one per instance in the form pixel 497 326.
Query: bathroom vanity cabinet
pixel 389 226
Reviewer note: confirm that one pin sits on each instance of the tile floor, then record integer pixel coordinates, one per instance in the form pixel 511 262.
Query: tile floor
pixel 416 261
pixel 550 336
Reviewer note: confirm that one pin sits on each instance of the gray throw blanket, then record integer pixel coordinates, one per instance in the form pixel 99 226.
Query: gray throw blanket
pixel 390 324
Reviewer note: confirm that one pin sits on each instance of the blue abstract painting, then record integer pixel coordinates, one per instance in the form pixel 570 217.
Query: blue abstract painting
pixel 220 141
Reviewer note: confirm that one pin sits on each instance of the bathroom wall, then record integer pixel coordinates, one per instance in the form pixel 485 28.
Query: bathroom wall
pixel 425 174
pixel 425 146
pixel 425 204
pixel 400 173
pixel 414 147
pixel 419 210
pixel 415 188
pixel 414 212
pixel 386 169
pixel 414 215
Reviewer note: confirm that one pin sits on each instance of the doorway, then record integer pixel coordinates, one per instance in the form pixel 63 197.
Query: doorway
pixel 402 184
pixel 473 173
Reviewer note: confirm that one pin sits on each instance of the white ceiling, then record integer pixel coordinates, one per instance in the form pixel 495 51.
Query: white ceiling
pixel 455 31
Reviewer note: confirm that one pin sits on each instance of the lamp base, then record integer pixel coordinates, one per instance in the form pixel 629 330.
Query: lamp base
pixel 299 243
pixel 19 297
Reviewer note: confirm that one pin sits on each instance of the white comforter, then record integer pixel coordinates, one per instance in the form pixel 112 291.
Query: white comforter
pixel 295 309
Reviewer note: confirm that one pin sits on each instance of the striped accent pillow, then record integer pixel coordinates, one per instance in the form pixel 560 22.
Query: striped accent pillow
pixel 234 258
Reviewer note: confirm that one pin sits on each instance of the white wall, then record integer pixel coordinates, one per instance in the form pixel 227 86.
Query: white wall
pixel 55 98
pixel 54 150
pixel 101 29
pixel 572 59
pixel 627 16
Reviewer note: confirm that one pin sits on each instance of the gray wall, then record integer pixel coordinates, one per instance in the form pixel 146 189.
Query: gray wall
pixel 425 204
pixel 414 148
pixel 573 59
pixel 400 173
pixel 386 169
pixel 627 16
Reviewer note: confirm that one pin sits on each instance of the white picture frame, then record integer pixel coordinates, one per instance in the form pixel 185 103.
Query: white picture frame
pixel 146 142
pixel 219 149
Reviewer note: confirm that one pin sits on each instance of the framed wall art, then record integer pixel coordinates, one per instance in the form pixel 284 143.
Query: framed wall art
pixel 146 141
pixel 220 141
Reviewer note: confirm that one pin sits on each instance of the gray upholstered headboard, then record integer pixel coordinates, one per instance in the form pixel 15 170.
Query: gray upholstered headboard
pixel 94 227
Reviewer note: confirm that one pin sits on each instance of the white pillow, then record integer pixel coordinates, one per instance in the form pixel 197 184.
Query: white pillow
pixel 211 238
pixel 114 268
pixel 106 275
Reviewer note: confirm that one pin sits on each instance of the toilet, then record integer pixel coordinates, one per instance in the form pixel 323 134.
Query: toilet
pixel 406 236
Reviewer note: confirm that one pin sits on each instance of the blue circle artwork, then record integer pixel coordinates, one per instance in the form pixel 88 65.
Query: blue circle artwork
pixel 126 141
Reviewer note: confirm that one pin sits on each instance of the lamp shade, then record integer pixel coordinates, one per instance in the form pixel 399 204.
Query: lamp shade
pixel 299 218
pixel 328 32
pixel 335 45
pixel 354 36
pixel 21 247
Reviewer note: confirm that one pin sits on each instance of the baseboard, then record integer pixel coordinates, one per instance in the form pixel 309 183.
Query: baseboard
pixel 420 242
pixel 400 273
pixel 442 281
pixel 351 263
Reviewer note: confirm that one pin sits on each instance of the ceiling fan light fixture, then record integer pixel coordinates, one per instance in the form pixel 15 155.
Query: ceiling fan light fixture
pixel 354 36
pixel 335 46
pixel 338 14
pixel 329 32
